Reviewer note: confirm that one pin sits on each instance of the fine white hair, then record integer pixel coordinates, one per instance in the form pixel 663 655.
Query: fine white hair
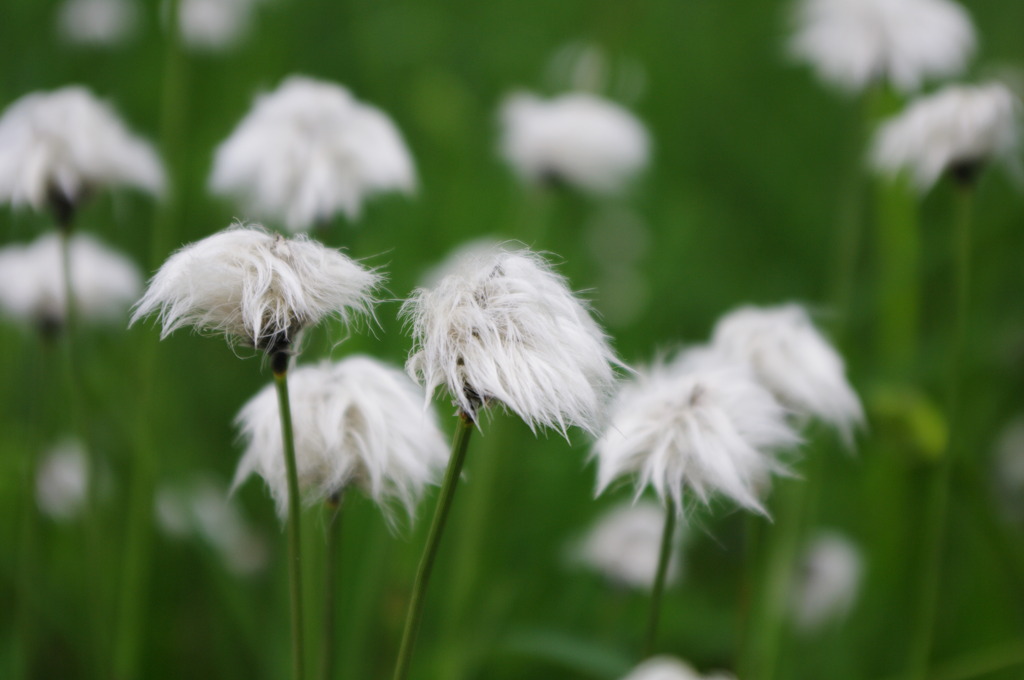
pixel 256 286
pixel 960 124
pixel 309 150
pixel 581 139
pixel 791 358
pixel 709 430
pixel 853 43
pixel 505 327
pixel 104 282
pixel 357 422
pixel 827 581
pixel 67 143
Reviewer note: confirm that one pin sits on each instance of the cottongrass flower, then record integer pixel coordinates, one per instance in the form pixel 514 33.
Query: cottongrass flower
pixel 670 668
pixel 505 327
pixel 1008 469
pixel 624 545
pixel 358 423
pixel 97 22
pixel 791 358
pixel 853 43
pixel 214 25
pixel 578 139
pixel 56 148
pixel 104 282
pixel 62 481
pixel 827 582
pixel 256 287
pixel 956 130
pixel 711 430
pixel 309 150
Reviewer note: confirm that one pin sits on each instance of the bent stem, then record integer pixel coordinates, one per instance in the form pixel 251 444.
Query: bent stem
pixel 327 657
pixel 279 361
pixel 659 580
pixel 460 444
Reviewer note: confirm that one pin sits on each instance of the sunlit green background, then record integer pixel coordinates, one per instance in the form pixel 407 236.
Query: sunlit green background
pixel 755 163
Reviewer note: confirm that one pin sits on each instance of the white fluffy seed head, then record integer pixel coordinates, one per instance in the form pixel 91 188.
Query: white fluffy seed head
pixel 104 282
pixel 960 125
pixel 853 43
pixel 62 481
pixel 827 582
pixel 97 22
pixel 358 422
pixel 309 150
pixel 790 357
pixel 213 25
pixel 256 287
pixel 505 327
pixel 579 139
pixel 624 545
pixel 711 430
pixel 670 668
pixel 66 144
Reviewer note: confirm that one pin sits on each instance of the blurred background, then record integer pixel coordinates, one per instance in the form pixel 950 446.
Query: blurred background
pixel 754 165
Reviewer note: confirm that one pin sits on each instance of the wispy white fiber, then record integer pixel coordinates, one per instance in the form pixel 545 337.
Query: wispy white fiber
pixel 670 668
pixel 505 327
pixel 827 582
pixel 97 22
pixel 62 481
pixel 66 144
pixel 624 545
pixel 578 138
pixel 790 357
pixel 853 43
pixel 256 287
pixel 358 422
pixel 104 282
pixel 959 125
pixel 710 431
pixel 309 150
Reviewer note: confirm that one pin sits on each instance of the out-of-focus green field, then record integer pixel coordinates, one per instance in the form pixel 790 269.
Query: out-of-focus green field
pixel 751 174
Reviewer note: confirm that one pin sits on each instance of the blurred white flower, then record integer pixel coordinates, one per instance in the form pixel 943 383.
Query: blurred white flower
pixel 709 430
pixel 790 357
pixel 255 286
pixel 201 507
pixel 104 282
pixel 853 43
pixel 670 668
pixel 505 327
pixel 958 130
pixel 1008 471
pixel 624 545
pixel 309 150
pixel 578 138
pixel 97 22
pixel 214 24
pixel 62 481
pixel 58 147
pixel 358 422
pixel 827 581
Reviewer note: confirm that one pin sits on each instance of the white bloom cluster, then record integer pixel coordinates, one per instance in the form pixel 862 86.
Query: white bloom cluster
pixel 357 422
pixel 62 481
pixel 670 668
pixel 104 282
pixel 958 129
pixel 60 146
pixel 256 286
pixel 308 150
pixel 852 43
pixel 579 139
pixel 505 327
pixel 97 22
pixel 827 581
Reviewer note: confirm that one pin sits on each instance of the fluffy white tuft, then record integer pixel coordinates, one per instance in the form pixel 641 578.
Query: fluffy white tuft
pixel 67 143
pixel 827 583
pixel 357 422
pixel 578 138
pixel 104 282
pixel 309 150
pixel 790 357
pixel 97 22
pixel 505 327
pixel 959 125
pixel 62 481
pixel 853 43
pixel 256 286
pixel 670 668
pixel 710 430
pixel 214 25
pixel 624 545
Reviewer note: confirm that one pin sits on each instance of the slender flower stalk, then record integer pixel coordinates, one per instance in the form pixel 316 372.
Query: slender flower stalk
pixel 659 580
pixel 328 644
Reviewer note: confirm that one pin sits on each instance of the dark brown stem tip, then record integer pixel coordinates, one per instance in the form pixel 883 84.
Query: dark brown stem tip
pixel 965 173
pixel 466 418
pixel 279 362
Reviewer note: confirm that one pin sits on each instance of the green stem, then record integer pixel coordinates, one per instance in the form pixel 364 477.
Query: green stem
pixel 280 362
pixel 664 556
pixel 937 499
pixel 444 503
pixel 327 656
